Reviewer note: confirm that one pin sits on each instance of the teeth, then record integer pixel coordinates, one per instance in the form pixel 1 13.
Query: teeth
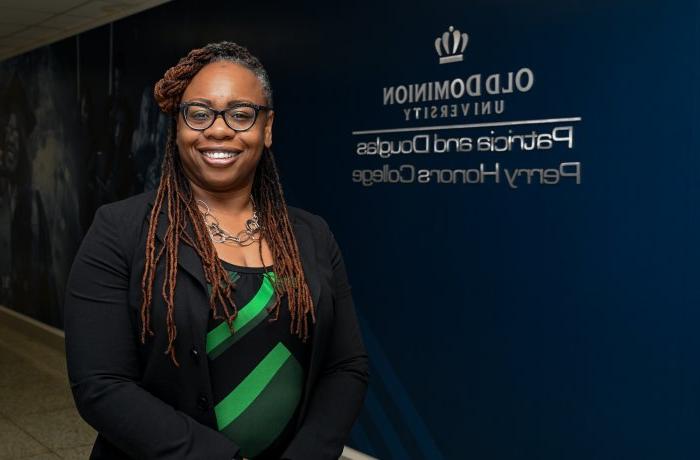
pixel 220 154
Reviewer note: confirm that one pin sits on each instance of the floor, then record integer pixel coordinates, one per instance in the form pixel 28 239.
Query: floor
pixel 38 419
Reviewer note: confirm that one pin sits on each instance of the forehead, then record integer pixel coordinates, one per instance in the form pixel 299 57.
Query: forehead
pixel 223 82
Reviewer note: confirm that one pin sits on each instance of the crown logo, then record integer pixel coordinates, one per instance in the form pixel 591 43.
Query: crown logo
pixel 451 52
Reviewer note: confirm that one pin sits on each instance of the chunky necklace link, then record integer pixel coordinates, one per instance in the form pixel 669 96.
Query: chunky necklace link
pixel 245 237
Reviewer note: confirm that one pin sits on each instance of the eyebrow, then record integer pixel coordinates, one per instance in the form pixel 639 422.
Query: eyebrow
pixel 228 104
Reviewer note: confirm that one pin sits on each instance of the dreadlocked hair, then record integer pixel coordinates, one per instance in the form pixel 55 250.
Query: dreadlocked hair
pixel 175 195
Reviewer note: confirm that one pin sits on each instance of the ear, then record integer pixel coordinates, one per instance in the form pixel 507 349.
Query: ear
pixel 268 128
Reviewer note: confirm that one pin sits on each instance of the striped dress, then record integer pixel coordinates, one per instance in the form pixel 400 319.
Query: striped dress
pixel 258 372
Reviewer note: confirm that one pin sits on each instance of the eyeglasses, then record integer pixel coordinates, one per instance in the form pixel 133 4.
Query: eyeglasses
pixel 239 117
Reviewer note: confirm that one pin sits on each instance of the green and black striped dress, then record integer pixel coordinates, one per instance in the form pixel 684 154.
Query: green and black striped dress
pixel 258 372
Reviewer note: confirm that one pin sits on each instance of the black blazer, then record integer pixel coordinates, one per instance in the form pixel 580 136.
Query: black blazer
pixel 143 406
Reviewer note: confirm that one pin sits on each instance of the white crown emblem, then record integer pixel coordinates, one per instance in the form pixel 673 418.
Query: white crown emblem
pixel 454 52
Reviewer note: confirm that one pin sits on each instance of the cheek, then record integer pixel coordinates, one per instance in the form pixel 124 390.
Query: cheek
pixel 185 140
pixel 250 140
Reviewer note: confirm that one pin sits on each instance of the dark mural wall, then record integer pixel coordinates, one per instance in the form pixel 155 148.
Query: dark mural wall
pixel 504 319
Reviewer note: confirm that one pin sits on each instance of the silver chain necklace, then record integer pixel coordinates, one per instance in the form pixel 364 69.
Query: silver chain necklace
pixel 245 237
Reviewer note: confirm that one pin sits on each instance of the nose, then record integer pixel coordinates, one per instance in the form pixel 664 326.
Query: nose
pixel 219 129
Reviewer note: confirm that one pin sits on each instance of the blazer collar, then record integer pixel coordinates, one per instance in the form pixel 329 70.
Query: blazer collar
pixel 189 260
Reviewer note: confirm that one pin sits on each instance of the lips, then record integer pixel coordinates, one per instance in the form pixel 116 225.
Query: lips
pixel 219 156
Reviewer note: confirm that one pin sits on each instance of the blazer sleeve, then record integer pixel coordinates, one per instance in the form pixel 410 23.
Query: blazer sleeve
pixel 338 395
pixel 103 363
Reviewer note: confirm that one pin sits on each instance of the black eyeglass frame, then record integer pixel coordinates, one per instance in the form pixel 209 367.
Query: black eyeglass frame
pixel 257 108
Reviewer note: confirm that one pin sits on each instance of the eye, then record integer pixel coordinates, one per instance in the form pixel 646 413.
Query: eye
pixel 241 113
pixel 199 114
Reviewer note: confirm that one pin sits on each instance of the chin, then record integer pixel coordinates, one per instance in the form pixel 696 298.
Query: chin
pixel 222 182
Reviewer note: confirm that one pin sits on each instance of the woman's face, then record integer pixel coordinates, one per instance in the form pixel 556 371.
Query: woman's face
pixel 220 85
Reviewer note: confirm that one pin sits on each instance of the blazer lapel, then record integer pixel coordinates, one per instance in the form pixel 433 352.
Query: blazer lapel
pixel 187 258
pixel 308 263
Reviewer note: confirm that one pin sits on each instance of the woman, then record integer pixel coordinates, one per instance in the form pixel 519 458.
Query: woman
pixel 208 320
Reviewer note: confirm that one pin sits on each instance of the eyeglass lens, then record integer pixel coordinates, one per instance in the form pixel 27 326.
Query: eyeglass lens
pixel 238 118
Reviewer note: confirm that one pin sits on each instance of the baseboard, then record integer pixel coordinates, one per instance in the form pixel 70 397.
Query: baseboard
pixel 351 454
pixel 36 330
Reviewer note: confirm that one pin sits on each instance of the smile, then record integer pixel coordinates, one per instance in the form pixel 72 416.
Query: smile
pixel 220 154
pixel 219 158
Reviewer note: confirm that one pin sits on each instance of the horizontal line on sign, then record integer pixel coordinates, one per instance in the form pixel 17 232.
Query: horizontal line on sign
pixel 469 125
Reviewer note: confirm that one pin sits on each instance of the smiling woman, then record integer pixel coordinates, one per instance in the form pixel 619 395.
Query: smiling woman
pixel 252 293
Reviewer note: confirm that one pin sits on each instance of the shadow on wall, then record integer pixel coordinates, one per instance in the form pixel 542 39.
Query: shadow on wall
pixel 25 258
pixel 63 155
